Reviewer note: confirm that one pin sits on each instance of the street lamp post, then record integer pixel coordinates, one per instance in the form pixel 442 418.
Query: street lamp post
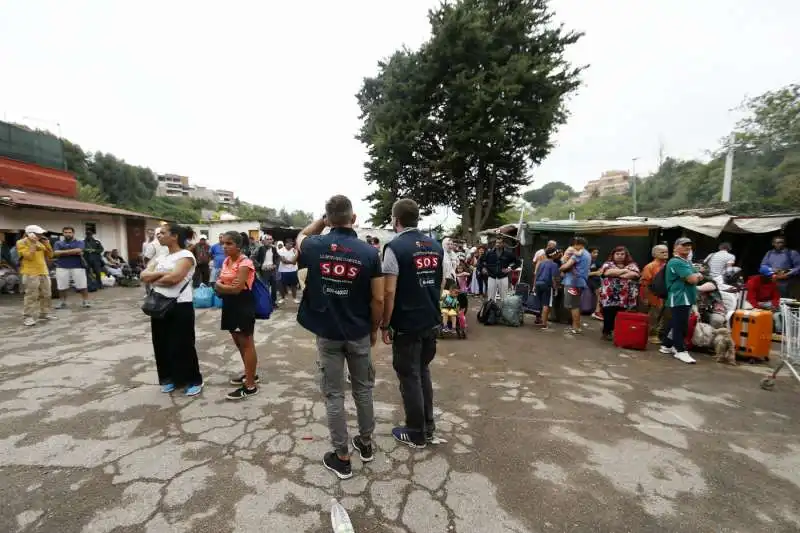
pixel 633 186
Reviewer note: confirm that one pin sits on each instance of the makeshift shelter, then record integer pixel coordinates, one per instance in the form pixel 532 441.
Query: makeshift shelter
pixel 749 236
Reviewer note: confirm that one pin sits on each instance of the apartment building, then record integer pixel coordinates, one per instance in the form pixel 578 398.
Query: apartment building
pixel 172 185
pixel 175 186
pixel 610 182
pixel 224 197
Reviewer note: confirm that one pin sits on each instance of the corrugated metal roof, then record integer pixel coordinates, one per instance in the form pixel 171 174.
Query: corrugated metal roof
pixel 711 226
pixel 587 226
pixel 36 200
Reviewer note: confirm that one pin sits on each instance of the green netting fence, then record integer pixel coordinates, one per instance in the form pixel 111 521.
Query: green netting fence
pixel 35 147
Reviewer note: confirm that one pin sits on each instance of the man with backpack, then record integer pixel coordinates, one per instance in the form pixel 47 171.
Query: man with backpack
pixel 677 282
pixel 657 312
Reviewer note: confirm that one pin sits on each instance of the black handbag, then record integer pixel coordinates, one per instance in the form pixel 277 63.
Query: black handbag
pixel 156 305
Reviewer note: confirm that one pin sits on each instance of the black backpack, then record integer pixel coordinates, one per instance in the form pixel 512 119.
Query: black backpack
pixel 658 287
pixel 489 313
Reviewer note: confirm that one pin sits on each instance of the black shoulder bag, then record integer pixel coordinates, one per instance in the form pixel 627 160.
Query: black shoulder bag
pixel 156 305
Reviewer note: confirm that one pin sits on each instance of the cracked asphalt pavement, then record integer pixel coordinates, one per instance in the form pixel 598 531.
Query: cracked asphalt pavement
pixel 545 433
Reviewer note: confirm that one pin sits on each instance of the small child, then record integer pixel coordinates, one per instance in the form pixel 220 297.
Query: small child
pixel 546 280
pixel 449 305
pixel 463 277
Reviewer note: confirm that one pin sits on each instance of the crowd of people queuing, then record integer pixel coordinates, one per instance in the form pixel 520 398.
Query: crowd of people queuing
pixel 355 294
pixel 714 288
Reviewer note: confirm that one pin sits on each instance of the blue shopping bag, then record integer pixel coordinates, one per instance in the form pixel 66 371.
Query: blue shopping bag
pixel 262 299
pixel 203 297
pixel 217 302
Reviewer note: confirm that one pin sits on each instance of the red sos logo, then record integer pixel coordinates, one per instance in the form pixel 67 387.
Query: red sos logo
pixel 426 262
pixel 340 270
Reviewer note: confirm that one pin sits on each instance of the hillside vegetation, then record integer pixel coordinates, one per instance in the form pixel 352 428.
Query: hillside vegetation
pixel 105 179
pixel 766 172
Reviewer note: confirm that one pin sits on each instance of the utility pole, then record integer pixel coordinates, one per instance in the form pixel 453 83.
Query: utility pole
pixel 728 176
pixel 633 184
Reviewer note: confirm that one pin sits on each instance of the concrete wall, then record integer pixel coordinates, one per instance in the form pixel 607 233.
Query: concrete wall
pixel 111 229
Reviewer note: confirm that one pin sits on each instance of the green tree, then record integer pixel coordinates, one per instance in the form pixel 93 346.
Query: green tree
pixel 91 194
pixel 460 121
pixel 77 162
pixel 772 122
pixel 300 219
pixel 124 184
pixel 174 209
pixel 544 194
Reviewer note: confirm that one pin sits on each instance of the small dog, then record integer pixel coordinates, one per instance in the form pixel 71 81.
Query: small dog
pixel 723 347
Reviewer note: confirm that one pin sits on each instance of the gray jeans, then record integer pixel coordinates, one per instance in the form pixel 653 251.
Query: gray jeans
pixel 332 357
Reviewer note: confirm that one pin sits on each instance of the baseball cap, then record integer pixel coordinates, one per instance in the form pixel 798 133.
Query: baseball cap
pixel 683 241
pixel 34 229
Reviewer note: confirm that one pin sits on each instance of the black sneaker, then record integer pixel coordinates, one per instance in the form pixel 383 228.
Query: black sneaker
pixel 241 393
pixel 342 469
pixel 409 438
pixel 364 449
pixel 240 380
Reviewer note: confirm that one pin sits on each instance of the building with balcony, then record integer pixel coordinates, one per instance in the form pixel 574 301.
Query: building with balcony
pixel 172 185
pixel 175 186
pixel 610 182
pixel 225 197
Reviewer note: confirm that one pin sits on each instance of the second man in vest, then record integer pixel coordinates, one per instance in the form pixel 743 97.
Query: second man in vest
pixel 412 266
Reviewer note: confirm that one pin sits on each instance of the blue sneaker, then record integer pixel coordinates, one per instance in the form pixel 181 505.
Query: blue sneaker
pixel 412 439
pixel 193 390
pixel 167 387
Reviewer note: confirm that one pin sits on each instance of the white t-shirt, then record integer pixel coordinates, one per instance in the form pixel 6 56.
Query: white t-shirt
pixel 167 263
pixel 154 249
pixel 290 255
pixel 449 264
pixel 268 258
pixel 718 262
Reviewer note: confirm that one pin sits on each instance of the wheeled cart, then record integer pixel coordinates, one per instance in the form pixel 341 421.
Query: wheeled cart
pixel 790 344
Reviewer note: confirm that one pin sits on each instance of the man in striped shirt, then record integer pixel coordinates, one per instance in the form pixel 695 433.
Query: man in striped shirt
pixel 719 261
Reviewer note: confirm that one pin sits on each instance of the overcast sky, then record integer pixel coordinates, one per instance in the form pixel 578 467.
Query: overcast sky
pixel 258 97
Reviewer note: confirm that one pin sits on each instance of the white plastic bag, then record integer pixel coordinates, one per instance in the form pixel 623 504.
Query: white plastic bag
pixel 703 335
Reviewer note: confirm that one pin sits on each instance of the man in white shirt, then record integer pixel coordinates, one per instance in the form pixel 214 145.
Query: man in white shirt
pixel 151 248
pixel 540 254
pixel 718 262
pixel 288 270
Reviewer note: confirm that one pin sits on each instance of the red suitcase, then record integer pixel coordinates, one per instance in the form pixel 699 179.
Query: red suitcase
pixel 630 330
pixel 693 318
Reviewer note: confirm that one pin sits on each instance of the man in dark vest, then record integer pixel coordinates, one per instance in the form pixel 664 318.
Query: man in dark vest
pixel 412 268
pixel 343 306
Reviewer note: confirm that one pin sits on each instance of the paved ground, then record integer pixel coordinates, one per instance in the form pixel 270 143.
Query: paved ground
pixel 546 433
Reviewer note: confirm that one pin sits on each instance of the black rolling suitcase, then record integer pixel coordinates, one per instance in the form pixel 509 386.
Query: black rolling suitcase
pixel 523 290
